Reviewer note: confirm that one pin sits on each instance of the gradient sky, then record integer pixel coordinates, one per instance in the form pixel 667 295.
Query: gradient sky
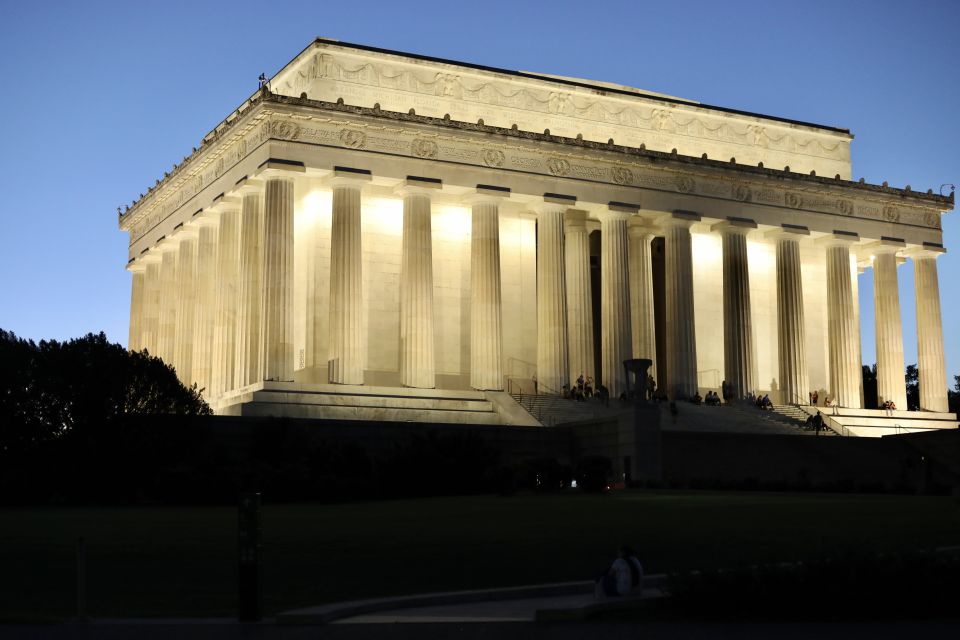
pixel 101 98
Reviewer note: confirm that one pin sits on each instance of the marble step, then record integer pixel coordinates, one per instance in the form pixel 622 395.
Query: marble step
pixel 367 413
pixel 355 400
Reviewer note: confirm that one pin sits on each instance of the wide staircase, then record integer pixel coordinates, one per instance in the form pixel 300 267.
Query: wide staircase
pixel 551 410
pixel 370 403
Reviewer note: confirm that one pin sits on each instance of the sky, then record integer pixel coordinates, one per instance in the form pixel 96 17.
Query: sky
pixel 101 98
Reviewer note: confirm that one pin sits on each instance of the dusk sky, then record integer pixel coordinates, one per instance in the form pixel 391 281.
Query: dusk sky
pixel 101 98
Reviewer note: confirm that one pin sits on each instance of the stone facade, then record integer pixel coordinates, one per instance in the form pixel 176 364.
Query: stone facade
pixel 375 218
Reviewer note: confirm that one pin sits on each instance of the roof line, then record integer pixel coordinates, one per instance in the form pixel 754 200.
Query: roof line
pixel 573 83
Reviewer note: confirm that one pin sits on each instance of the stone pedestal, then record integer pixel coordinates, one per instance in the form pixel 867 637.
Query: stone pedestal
pixel 930 359
pixel 486 333
pixel 228 298
pixel 739 365
pixel 791 340
pixel 579 295
pixel 249 358
pixel 551 298
pixel 681 333
pixel 417 363
pixel 616 344
pixel 886 304
pixel 641 292
pixel 842 334
pixel 346 358
pixel 186 303
pixel 278 280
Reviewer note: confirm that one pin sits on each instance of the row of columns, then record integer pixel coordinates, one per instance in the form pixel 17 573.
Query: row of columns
pixel 217 304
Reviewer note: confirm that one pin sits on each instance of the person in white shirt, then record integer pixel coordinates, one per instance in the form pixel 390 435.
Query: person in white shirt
pixel 624 578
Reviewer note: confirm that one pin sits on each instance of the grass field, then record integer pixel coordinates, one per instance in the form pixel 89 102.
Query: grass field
pixel 182 561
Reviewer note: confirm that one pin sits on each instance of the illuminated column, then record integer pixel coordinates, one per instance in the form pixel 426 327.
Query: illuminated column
pixel 186 302
pixel 576 248
pixel 886 305
pixel 681 332
pixel 137 286
pixel 641 292
pixel 278 279
pixel 551 296
pixel 930 359
pixel 486 319
pixel 248 362
pixel 227 298
pixel 791 342
pixel 151 303
pixel 167 324
pixel 417 365
pixel 739 366
pixel 206 303
pixel 842 332
pixel 615 338
pixel 346 282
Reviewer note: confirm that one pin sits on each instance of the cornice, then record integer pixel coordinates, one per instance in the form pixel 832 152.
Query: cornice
pixel 231 141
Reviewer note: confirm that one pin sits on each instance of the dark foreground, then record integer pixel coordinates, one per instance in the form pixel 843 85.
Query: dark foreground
pixel 181 562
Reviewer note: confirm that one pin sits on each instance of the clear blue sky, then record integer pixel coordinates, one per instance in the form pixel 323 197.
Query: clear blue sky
pixel 101 98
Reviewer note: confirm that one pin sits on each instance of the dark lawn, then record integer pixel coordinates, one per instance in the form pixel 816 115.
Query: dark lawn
pixel 182 561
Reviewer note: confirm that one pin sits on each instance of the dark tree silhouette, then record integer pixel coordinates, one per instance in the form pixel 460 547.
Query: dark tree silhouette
pixel 53 388
pixel 953 396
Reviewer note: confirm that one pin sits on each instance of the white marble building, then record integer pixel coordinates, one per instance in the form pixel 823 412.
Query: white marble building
pixel 375 224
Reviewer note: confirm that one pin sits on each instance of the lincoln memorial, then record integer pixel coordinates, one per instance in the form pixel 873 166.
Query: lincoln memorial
pixel 381 235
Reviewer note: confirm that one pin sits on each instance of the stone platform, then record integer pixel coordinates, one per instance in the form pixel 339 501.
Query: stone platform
pixel 371 403
pixel 874 423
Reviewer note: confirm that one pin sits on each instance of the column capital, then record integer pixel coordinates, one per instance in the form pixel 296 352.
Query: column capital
pixel 679 218
pixel 733 224
pixel 418 186
pixel 486 194
pixel 552 199
pixel 885 245
pixel 787 232
pixel 574 220
pixel 623 207
pixel 244 186
pixel 838 239
pixel 280 168
pixel 350 177
pixel 639 227
pixel 930 250
pixel 135 265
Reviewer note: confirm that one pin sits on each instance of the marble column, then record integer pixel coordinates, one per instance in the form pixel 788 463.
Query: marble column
pixel 417 364
pixel 137 286
pixel 886 305
pixel 227 300
pixel 616 343
pixel 186 303
pixel 842 333
pixel 151 304
pixel 486 317
pixel 642 322
pixel 576 248
pixel 206 303
pixel 249 357
pixel 346 359
pixel 930 358
pixel 739 364
pixel 167 324
pixel 552 363
pixel 791 340
pixel 278 279
pixel 681 358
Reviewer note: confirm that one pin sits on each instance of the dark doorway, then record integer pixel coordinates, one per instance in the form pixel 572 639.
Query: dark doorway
pixel 657 258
